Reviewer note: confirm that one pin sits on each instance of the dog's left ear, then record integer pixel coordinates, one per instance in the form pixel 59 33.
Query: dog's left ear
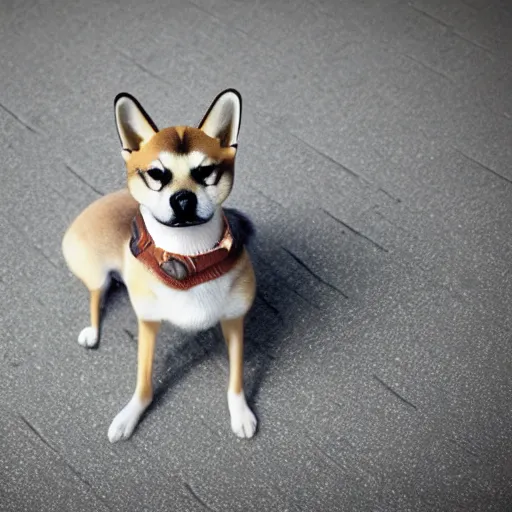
pixel 222 121
pixel 134 126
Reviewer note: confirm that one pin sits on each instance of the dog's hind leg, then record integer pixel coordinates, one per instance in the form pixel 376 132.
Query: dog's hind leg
pixel 243 421
pixel 89 336
pixel 93 272
pixel 93 269
pixel 125 422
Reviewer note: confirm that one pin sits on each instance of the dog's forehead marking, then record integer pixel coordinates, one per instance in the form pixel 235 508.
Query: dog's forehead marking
pixel 174 141
pixel 176 162
pixel 184 140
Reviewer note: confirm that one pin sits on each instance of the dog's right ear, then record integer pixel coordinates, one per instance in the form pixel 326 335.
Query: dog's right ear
pixel 134 126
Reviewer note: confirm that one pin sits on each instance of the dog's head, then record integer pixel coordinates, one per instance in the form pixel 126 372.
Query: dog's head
pixel 181 174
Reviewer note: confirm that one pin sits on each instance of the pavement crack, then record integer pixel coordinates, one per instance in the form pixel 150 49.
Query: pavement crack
pixel 303 297
pixel 48 259
pixel 214 16
pixel 77 175
pixel 37 248
pixel 426 66
pixel 268 198
pixel 480 164
pixel 316 276
pixel 286 284
pixel 143 68
pixel 325 454
pixel 38 434
pixel 355 231
pixel 325 155
pixel 19 120
pixel 197 498
pixel 474 43
pixel 398 226
pixel 63 460
pixel 58 192
pixel 430 17
pixel 462 447
pixel 269 305
pixel 130 335
pixel 396 199
pixel 392 391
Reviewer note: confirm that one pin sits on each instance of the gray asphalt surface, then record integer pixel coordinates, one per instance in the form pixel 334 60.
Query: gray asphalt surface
pixel 375 160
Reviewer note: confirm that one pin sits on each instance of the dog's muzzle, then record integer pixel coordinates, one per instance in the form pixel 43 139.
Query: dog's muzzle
pixel 184 205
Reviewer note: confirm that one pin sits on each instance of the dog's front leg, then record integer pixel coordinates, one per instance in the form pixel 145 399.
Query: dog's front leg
pixel 126 421
pixel 243 421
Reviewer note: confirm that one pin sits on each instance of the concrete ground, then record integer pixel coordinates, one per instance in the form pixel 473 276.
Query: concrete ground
pixel 375 159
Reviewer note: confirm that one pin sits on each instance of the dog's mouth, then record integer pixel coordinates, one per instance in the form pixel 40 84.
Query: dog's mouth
pixel 185 223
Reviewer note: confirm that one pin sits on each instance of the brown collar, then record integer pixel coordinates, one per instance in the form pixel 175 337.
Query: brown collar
pixel 180 271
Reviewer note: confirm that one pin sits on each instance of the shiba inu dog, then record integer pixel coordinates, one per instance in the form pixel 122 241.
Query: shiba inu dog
pixel 179 253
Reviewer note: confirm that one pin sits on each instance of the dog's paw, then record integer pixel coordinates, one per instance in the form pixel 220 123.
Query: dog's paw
pixel 243 421
pixel 125 422
pixel 88 337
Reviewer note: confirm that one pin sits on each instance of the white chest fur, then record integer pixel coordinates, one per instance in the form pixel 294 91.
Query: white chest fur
pixel 202 306
pixel 196 309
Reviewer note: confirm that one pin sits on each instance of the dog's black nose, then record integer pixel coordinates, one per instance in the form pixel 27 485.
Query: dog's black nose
pixel 184 204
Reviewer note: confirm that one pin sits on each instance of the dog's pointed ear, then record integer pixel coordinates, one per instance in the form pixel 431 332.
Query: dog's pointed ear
pixel 222 120
pixel 134 126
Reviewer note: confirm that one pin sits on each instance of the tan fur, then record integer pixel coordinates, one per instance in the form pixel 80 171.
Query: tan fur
pixel 95 242
pixel 146 348
pixel 245 283
pixel 233 331
pixel 95 305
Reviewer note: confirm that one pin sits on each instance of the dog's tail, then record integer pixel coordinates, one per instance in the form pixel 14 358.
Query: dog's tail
pixel 241 226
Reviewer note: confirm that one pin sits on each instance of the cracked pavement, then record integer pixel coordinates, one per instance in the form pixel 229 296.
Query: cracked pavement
pixel 375 160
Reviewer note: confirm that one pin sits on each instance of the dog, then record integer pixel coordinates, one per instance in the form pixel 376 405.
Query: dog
pixel 181 255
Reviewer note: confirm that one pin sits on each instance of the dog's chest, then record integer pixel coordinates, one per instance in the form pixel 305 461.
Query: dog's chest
pixel 198 308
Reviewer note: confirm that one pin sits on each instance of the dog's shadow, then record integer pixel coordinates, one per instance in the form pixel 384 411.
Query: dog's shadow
pixel 277 306
pixel 272 311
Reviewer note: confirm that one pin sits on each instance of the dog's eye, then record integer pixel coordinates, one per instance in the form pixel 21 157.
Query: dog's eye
pixel 156 179
pixel 201 174
pixel 156 174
